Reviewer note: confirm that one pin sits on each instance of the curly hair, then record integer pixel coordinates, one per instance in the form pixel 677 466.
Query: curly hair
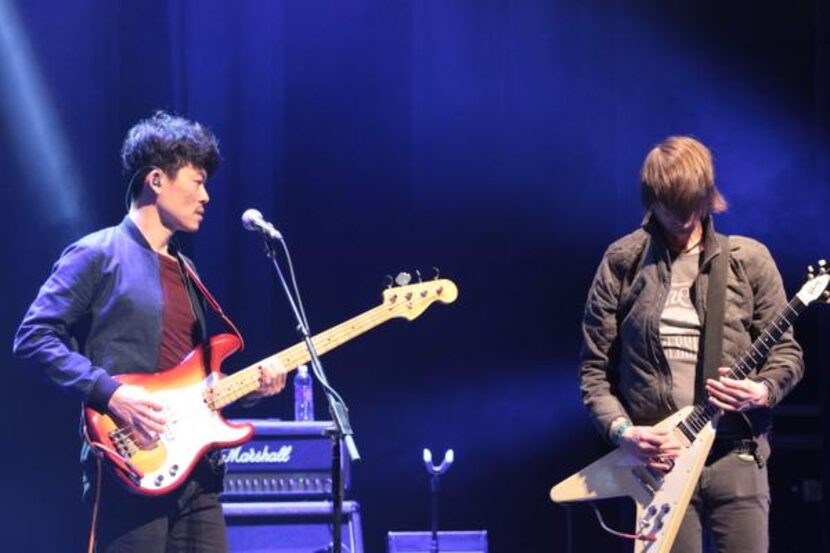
pixel 167 142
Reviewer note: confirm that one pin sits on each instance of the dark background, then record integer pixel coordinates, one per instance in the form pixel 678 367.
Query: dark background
pixel 497 140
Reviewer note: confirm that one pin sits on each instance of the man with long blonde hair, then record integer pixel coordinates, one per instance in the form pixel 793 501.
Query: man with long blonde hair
pixel 643 343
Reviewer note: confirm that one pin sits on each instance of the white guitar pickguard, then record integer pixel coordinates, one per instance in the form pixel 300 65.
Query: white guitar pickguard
pixel 190 426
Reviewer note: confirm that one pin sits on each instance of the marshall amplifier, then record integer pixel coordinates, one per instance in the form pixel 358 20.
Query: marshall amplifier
pixel 285 460
pixel 290 527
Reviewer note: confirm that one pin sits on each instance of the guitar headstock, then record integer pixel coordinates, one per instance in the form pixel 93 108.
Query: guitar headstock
pixel 818 282
pixel 411 300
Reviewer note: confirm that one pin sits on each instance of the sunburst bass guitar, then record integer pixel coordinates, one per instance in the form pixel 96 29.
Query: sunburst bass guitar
pixel 661 499
pixel 193 394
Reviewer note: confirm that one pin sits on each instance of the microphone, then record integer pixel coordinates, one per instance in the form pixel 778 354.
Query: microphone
pixel 252 220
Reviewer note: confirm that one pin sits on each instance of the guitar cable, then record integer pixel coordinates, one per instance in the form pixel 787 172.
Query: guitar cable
pixel 99 450
pixel 93 527
pixel 625 535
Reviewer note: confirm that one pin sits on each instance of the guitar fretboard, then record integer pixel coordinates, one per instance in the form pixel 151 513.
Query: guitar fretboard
pixel 245 381
pixel 749 361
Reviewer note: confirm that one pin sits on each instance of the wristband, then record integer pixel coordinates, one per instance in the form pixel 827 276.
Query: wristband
pixel 616 433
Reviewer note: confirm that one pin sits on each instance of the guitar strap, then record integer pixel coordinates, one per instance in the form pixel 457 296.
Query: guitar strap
pixel 211 301
pixel 712 344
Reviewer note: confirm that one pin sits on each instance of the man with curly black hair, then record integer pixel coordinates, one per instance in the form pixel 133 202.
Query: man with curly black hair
pixel 124 300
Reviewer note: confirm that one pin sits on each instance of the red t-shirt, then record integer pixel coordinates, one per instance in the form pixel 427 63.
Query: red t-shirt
pixel 179 327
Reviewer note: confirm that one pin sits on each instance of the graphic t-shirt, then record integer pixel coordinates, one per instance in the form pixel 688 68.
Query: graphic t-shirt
pixel 680 328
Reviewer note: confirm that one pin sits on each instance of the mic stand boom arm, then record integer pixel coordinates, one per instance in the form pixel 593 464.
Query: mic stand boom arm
pixel 339 413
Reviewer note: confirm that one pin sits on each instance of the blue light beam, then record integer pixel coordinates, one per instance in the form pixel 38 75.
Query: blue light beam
pixel 32 124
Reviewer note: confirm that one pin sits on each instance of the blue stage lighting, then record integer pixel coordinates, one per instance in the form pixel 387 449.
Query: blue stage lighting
pixel 32 124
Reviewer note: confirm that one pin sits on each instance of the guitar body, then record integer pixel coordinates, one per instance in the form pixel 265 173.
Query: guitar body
pixel 193 426
pixel 661 500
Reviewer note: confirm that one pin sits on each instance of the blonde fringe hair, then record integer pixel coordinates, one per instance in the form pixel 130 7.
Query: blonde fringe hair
pixel 678 173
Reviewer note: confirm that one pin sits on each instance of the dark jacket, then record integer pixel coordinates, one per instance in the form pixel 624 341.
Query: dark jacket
pixel 99 314
pixel 623 370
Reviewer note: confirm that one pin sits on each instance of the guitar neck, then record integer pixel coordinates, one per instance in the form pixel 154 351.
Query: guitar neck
pixel 245 381
pixel 749 362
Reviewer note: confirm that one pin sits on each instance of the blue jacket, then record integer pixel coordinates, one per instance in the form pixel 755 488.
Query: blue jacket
pixel 99 314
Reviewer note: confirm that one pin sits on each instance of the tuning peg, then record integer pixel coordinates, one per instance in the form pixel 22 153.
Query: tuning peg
pixel 418 275
pixel 403 279
pixel 389 281
pixel 822 266
pixel 437 272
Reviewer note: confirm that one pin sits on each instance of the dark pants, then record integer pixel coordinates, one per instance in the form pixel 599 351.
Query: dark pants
pixel 731 503
pixel 189 520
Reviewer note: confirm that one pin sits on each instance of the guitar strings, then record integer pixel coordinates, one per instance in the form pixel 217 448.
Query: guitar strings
pixel 327 340
pixel 237 385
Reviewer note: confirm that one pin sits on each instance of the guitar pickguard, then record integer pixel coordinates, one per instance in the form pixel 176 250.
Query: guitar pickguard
pixel 662 515
pixel 191 428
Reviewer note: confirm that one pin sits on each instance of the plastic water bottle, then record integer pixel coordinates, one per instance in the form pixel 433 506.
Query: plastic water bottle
pixel 303 395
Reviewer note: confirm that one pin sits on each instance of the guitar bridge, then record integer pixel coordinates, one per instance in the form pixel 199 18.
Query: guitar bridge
pixel 123 444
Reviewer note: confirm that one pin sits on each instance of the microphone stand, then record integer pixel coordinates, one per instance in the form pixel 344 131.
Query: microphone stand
pixel 342 430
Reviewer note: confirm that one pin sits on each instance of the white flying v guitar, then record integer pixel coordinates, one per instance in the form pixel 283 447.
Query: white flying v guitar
pixel 661 499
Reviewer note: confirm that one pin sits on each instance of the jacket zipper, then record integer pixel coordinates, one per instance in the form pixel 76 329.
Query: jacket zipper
pixel 665 383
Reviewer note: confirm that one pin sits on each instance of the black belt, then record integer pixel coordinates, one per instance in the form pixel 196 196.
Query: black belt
pixel 744 447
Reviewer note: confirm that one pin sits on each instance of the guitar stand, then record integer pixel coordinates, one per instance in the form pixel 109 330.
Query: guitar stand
pixel 436 471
